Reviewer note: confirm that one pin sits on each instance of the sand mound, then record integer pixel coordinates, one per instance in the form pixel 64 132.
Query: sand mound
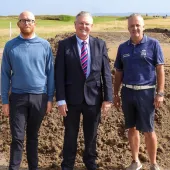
pixel 113 148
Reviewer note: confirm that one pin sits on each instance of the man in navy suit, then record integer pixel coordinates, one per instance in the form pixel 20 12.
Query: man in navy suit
pixel 83 85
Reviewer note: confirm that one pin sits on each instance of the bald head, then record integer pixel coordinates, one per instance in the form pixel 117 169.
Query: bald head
pixel 27 15
pixel 26 23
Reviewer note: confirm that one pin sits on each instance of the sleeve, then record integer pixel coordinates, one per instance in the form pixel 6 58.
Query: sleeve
pixel 118 62
pixel 106 76
pixel 5 76
pixel 60 73
pixel 0 84
pixel 159 58
pixel 50 74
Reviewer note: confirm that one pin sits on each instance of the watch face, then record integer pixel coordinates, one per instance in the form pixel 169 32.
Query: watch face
pixel 160 94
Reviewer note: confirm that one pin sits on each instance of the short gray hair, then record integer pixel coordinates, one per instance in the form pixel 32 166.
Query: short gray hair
pixel 135 15
pixel 84 13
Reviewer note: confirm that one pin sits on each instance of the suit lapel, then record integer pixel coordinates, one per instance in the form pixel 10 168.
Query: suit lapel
pixel 92 50
pixel 75 49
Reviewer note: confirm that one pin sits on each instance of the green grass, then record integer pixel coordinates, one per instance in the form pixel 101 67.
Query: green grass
pixel 48 21
pixel 50 25
pixel 148 17
pixel 44 28
pixel 101 19
pixel 56 17
pixel 5 22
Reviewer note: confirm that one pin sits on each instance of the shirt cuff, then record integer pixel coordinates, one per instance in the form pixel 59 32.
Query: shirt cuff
pixel 61 102
pixel 5 101
pixel 50 98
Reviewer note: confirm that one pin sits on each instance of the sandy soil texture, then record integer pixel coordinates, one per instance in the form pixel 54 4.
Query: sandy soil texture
pixel 112 144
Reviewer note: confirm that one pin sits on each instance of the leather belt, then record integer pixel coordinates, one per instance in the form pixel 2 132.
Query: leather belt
pixel 134 87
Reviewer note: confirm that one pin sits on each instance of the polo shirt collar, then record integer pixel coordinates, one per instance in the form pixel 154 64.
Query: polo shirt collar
pixel 144 40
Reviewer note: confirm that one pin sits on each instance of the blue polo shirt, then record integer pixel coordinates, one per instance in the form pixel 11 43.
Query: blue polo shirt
pixel 138 62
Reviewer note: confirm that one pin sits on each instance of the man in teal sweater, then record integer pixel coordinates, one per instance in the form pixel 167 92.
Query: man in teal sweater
pixel 27 71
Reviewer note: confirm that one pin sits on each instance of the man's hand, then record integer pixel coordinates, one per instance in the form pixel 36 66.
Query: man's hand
pixel 105 107
pixel 116 102
pixel 63 110
pixel 49 106
pixel 5 109
pixel 158 101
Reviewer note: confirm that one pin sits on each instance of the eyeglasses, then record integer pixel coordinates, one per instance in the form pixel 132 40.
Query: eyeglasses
pixel 24 21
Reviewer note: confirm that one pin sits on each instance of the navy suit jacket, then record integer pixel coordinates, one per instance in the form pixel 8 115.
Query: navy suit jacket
pixel 71 83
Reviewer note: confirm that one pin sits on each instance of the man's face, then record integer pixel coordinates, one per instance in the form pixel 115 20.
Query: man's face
pixel 26 23
pixel 136 27
pixel 83 26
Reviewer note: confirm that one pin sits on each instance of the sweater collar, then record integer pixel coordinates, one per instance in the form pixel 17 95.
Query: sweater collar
pixel 28 38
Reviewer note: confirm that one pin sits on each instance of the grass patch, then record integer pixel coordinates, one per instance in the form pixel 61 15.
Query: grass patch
pixel 56 17
pixel 103 19
pixel 121 19
pixel 5 22
pixel 50 25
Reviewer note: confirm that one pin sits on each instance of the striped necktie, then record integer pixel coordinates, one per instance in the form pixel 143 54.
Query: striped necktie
pixel 84 57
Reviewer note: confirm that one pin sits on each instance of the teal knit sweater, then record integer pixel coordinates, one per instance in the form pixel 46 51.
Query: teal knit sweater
pixel 27 67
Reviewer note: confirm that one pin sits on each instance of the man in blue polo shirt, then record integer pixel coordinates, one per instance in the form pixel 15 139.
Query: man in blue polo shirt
pixel 139 67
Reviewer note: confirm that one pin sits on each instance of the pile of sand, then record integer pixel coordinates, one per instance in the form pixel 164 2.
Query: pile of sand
pixel 112 144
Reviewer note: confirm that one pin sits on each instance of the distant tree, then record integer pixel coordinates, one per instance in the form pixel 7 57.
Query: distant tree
pixel 146 14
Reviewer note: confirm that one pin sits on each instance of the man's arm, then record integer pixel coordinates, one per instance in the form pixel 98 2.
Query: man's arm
pixel 50 75
pixel 160 78
pixel 160 85
pixel 118 78
pixel 106 76
pixel 50 79
pixel 60 80
pixel 0 85
pixel 5 81
pixel 159 64
pixel 5 76
pixel 60 73
pixel 107 82
pixel 117 83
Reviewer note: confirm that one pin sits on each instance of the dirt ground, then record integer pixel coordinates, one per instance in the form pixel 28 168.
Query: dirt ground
pixel 112 143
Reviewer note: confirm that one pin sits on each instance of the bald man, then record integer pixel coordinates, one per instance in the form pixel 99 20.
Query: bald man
pixel 27 69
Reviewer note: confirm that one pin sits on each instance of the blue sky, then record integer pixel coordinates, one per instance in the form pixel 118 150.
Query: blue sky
pixel 72 7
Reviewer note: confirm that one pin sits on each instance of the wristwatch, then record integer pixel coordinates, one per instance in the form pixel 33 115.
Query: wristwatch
pixel 161 94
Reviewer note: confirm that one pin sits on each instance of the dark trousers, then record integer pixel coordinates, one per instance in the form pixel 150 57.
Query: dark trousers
pixel 26 114
pixel 91 117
